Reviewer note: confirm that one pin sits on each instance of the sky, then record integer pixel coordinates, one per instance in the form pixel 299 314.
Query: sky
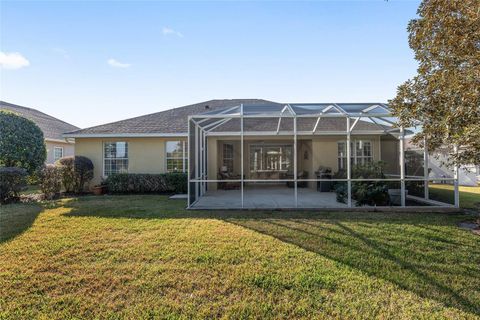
pixel 95 62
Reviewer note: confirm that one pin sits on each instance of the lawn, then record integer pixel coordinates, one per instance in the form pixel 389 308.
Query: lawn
pixel 137 257
pixel 469 196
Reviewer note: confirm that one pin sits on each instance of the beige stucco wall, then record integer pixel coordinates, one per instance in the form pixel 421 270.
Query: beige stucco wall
pixel 145 155
pixel 390 153
pixel 313 152
pixel 320 151
pixel 68 149
pixel 325 150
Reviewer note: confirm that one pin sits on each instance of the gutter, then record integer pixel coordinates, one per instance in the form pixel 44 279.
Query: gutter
pixel 125 135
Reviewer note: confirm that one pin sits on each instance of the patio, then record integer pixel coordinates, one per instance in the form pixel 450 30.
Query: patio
pixel 275 157
pixel 271 197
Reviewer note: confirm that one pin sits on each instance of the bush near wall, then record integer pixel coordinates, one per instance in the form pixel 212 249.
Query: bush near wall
pixel 369 193
pixel 51 181
pixel 147 183
pixel 76 172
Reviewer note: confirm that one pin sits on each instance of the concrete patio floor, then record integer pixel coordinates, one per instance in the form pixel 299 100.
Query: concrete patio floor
pixel 271 197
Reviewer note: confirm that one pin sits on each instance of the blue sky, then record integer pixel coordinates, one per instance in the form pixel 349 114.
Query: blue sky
pixel 91 62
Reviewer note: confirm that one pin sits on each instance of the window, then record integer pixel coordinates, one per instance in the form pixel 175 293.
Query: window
pixel 115 156
pixel 270 158
pixel 177 156
pixel 228 156
pixel 57 153
pixel 361 153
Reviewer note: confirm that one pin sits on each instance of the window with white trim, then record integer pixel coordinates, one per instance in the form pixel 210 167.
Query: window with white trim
pixel 177 156
pixel 361 153
pixel 57 153
pixel 115 155
pixel 228 156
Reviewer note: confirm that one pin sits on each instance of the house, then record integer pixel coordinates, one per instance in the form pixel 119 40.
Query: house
pixel 251 153
pixel 57 146
pixel 468 175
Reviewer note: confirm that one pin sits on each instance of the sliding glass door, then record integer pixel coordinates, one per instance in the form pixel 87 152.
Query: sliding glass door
pixel 270 161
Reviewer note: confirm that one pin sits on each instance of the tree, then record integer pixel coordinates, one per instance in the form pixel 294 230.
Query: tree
pixel 21 143
pixel 444 97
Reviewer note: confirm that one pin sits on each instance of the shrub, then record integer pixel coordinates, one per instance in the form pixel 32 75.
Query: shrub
pixel 364 192
pixel 21 143
pixel 13 180
pixel 76 172
pixel 66 168
pixel 51 181
pixel 177 182
pixel 147 183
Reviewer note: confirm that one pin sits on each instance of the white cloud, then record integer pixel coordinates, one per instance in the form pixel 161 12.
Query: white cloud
pixel 169 31
pixel 13 60
pixel 117 64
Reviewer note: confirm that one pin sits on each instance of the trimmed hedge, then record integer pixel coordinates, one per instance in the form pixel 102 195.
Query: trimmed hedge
pixel 147 183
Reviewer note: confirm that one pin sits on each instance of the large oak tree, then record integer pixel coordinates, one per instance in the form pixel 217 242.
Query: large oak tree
pixel 445 94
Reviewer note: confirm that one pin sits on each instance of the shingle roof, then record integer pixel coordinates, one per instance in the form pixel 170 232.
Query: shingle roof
pixel 173 121
pixel 303 124
pixel 52 128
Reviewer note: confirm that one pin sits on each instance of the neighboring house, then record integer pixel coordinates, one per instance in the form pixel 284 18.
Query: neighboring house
pixel 205 139
pixel 468 175
pixel 53 129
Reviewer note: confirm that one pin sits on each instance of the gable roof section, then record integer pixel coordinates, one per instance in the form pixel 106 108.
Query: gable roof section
pixel 173 122
pixel 53 128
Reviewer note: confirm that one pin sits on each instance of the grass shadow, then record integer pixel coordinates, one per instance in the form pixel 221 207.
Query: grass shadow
pixel 16 218
pixel 433 268
pixel 419 252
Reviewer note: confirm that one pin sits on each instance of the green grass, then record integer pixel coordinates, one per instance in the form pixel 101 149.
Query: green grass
pixel 469 196
pixel 144 257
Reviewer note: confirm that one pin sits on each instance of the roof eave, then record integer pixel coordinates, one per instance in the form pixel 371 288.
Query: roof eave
pixel 58 140
pixel 125 135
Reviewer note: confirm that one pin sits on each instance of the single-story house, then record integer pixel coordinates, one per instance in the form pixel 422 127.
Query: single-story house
pixel 468 175
pixel 251 153
pixel 56 144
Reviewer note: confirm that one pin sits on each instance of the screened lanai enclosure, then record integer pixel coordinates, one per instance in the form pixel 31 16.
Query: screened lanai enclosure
pixel 274 156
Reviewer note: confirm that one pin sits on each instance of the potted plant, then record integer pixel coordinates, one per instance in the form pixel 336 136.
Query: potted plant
pixel 100 189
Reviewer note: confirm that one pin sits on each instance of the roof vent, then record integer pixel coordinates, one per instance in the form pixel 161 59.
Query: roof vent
pixel 207 107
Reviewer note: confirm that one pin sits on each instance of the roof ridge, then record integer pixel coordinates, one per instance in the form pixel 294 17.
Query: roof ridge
pixel 168 110
pixel 36 111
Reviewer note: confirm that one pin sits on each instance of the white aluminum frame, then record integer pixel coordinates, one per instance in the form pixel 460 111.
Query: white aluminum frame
pixel 203 132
